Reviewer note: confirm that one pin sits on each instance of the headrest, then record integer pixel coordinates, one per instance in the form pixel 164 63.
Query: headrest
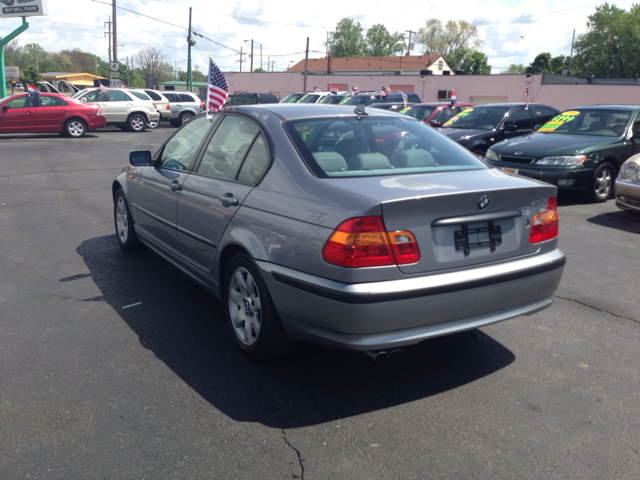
pixel 330 161
pixel 371 161
pixel 413 158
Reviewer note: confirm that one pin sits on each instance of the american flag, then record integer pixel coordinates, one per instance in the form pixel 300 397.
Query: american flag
pixel 218 89
pixel 355 90
pixel 102 89
pixel 316 89
pixel 385 91
pixel 526 98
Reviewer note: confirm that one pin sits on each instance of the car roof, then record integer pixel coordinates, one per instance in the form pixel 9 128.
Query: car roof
pixel 443 104
pixel 512 105
pixel 605 107
pixel 290 111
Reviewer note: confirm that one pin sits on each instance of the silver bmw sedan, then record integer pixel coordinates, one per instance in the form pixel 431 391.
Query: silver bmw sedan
pixel 358 229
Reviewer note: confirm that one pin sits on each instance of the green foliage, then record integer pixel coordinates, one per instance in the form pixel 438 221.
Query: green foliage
pixel 515 68
pixel 475 63
pixel 381 43
pixel 610 47
pixel 347 40
pixel 259 69
pixel 544 62
pixel 30 75
pixel 445 40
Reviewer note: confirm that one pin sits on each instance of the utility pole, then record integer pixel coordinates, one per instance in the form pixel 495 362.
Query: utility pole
pixel 240 59
pixel 115 34
pixel 191 43
pixel 409 47
pixel 128 71
pixel 306 60
pixel 273 64
pixel 252 55
pixel 109 34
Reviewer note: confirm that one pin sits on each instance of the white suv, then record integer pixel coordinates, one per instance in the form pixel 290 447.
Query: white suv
pixel 121 108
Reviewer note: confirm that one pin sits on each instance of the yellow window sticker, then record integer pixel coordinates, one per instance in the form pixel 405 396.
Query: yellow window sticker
pixel 559 120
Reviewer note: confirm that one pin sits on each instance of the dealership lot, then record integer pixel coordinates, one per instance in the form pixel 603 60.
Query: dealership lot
pixel 115 365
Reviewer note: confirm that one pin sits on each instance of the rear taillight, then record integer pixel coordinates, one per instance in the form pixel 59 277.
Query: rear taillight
pixel 154 105
pixel 201 105
pixel 544 226
pixel 168 107
pixel 364 242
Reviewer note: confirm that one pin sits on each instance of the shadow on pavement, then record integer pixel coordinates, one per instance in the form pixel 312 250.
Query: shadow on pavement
pixel 618 220
pixel 183 326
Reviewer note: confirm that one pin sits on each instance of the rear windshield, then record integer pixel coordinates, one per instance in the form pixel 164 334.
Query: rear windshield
pixel 606 123
pixel 348 147
pixel 479 118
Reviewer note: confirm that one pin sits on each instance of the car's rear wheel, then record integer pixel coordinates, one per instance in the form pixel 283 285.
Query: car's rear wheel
pixel 125 233
pixel 250 313
pixel 137 123
pixel 185 117
pixel 601 186
pixel 74 128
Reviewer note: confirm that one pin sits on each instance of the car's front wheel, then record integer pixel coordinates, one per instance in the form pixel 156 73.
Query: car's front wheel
pixel 479 152
pixel 601 185
pixel 74 128
pixel 185 117
pixel 250 313
pixel 125 233
pixel 137 123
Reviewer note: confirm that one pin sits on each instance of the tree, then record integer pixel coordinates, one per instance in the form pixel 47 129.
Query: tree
pixel 515 68
pixel 381 43
pixel 544 62
pixel 448 39
pixel 347 40
pixel 30 75
pixel 610 47
pixel 153 65
pixel 476 63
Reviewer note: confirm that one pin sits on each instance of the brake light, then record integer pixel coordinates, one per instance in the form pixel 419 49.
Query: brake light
pixel 168 107
pixel 544 226
pixel 201 105
pixel 154 105
pixel 364 242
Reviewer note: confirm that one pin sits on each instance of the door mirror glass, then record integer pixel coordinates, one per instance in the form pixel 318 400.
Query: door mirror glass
pixel 140 158
pixel 435 123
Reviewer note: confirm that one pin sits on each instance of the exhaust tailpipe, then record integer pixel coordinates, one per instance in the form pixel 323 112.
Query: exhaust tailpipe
pixel 395 353
pixel 377 355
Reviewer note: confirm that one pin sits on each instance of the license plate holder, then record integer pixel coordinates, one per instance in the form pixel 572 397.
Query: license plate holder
pixel 469 237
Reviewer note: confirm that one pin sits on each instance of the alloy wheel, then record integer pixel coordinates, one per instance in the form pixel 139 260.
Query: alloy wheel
pixel 244 306
pixel 122 221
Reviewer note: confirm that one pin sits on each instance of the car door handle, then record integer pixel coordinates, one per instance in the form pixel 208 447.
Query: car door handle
pixel 178 105
pixel 64 111
pixel 175 186
pixel 228 199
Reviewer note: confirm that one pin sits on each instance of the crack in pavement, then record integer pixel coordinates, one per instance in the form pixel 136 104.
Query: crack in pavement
pixel 284 437
pixel 598 309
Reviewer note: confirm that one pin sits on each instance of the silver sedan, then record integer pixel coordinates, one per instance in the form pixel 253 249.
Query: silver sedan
pixel 627 187
pixel 358 229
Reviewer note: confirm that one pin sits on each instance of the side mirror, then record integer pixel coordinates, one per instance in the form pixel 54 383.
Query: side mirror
pixel 4 108
pixel 83 99
pixel 435 123
pixel 140 158
pixel 510 128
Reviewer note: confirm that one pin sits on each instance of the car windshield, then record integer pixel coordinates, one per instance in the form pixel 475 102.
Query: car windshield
pixel 331 99
pixel 351 147
pixel 421 113
pixel 478 118
pixel 585 121
pixel 293 98
pixel 309 98
pixel 354 100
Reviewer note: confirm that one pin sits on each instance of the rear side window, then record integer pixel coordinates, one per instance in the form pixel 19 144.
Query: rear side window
pixel 139 94
pixel 178 153
pixel 117 96
pixel 46 101
pixel 186 98
pixel 228 147
pixel 153 95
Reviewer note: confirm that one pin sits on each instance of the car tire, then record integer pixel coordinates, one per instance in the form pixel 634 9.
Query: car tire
pixel 479 152
pixel 137 123
pixel 125 232
pixel 175 124
pixel 153 124
pixel 249 311
pixel 601 185
pixel 185 117
pixel 74 128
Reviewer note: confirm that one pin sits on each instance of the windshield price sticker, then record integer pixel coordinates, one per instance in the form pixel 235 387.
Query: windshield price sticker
pixel 462 114
pixel 559 120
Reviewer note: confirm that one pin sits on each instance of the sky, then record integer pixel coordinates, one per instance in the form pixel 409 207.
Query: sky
pixel 512 31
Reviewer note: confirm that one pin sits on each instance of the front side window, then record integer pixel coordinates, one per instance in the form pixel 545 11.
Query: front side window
pixel 25 101
pixel 92 96
pixel 117 96
pixel 228 147
pixel 348 147
pixel 178 153
pixel 543 115
pixel 521 118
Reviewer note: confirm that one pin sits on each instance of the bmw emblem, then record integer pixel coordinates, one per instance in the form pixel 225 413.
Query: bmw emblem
pixel 483 202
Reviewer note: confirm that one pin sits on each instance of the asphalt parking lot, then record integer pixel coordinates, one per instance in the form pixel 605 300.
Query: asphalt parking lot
pixel 117 366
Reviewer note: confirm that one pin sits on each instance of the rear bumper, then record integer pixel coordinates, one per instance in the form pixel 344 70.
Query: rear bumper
pixel 393 314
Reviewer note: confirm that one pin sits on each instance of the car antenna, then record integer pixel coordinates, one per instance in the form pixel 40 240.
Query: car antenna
pixel 359 111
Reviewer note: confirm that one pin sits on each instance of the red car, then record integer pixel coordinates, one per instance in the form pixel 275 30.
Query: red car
pixel 434 114
pixel 49 113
